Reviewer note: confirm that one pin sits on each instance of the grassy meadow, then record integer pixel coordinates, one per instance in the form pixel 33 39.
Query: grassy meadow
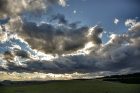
pixel 73 86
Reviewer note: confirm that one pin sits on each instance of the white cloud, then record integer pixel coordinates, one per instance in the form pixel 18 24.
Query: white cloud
pixel 62 2
pixel 116 21
pixel 130 22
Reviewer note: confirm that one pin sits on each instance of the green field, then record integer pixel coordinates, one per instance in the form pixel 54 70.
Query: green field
pixel 74 86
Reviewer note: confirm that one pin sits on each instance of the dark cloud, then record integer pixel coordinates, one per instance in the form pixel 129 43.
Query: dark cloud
pixel 121 52
pixel 21 53
pixel 83 64
pixel 63 37
pixel 114 57
pixel 60 18
pixel 8 56
pixel 53 39
pixel 95 33
pixel 15 7
pixel 3 4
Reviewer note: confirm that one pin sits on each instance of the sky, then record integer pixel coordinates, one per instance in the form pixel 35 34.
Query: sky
pixel 51 39
pixel 92 12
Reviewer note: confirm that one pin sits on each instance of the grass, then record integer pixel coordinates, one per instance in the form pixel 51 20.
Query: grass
pixel 74 86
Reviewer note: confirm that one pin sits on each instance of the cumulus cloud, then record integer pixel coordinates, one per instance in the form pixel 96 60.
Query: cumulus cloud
pixel 60 18
pixel 8 56
pixel 120 53
pixel 15 9
pixel 16 6
pixel 58 46
pixel 54 39
pixel 63 37
pixel 94 34
pixel 116 21
pixel 130 22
